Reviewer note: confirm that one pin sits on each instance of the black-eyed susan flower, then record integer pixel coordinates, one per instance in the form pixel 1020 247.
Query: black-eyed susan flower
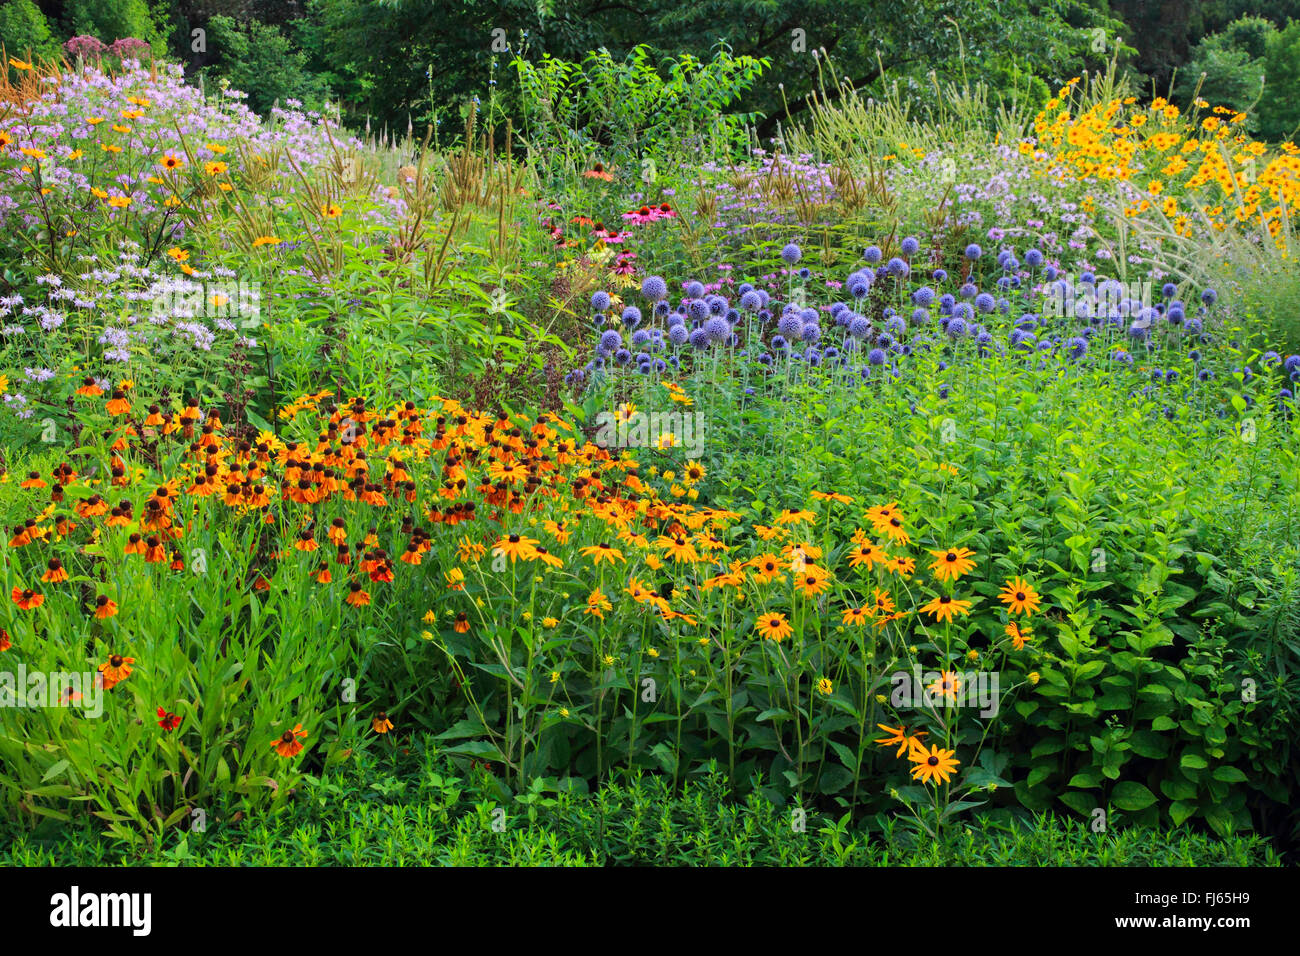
pixel 933 765
pixel 899 735
pixel 115 670
pixel 825 687
pixel 602 552
pixel 515 546
pixel 597 604
pixel 1020 597
pixel 773 626
pixel 951 563
pixel 945 607
pixel 947 686
pixel 289 743
pixel 856 616
pixel 1019 635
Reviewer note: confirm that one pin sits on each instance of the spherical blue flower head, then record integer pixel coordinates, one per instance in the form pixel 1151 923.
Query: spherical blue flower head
pixel 732 316
pixel 790 325
pixel 640 337
pixel 676 319
pixel 662 309
pixel 881 272
pixel 631 317
pixel 804 273
pixel 813 357
pixel 1022 339
pixel 1194 355
pixel 922 296
pixel 1295 376
pixel 897 325
pixel 1050 273
pixel 811 332
pixel 622 356
pixel 872 254
pixel 1077 347
pixel 1011 265
pixel 985 302
pixel 920 316
pixel 717 305
pixel 876 356
pixel 1138 332
pixel 1087 278
pixel 694 290
pixel 973 251
pixel 698 310
pixel 643 368
pixel 598 320
pixel 859 288
pixel 1193 325
pixel 943 391
pixel 642 358
pixel 1209 296
pixel 700 339
pixel 600 302
pixel 898 267
pixel 1175 314
pixel 946 301
pixel 1204 375
pixel 610 340
pixel 717 328
pixel 884 340
pixel 654 288
pixel 1247 374
pixel 679 334
pixel 1003 257
pixel 791 253
pixel 751 301
pixel 943 366
pixel 764 358
pixel 963 310
pixel 910 246
pixel 1291 363
pixel 779 343
pixel 1033 258
pixel 1121 356
pixel 809 315
pixel 831 352
pixel 764 316
pixel 1169 290
pixel 939 275
pixel 1003 283
pixel 956 328
pixel 968 290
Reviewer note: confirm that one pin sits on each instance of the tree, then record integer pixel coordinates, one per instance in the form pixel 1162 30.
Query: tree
pixel 1279 111
pixel 23 28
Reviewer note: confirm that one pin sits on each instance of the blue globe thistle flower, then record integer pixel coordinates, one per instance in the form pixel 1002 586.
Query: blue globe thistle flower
pixel 804 273
pixel 923 295
pixel 751 301
pixel 600 302
pixel 1193 325
pixel 1291 364
pixel 622 356
pixel 610 340
pixel 1169 290
pixel 1078 347
pixel 811 332
pixel 968 290
pixel 640 337
pixel 984 302
pixel 872 254
pixel 946 301
pixel 1022 339
pixel 920 316
pixel 694 290
pixel 598 320
pixel 963 310
pixel 791 253
pixel 1270 359
pixel 631 317
pixel 698 310
pixel 662 309
pixel 1033 258
pixel 790 325
pixel 897 325
pixel 910 246
pixel 898 267
pixel 717 328
pixel 1087 278
pixel 956 328
pixel 1209 296
pixel 859 327
pixel 700 339
pixel 860 288
pixel 654 288
pixel 779 342
pixel 939 275
pixel 1204 375
pixel 876 356
pixel 973 251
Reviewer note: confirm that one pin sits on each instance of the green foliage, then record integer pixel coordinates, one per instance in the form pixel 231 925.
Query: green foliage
pixel 110 20
pixel 438 813
pixel 23 28
pixel 1279 111
pixel 262 62
pixel 1233 65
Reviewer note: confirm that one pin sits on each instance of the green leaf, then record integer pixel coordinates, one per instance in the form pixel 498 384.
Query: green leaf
pixel 1128 795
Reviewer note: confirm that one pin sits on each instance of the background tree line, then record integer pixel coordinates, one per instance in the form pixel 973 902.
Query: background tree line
pixel 391 62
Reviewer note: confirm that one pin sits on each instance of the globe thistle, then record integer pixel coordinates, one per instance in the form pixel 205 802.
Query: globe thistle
pixel 654 288
pixel 700 339
pixel 1077 347
pixel 717 328
pixel 898 267
pixel 631 317
pixel 973 251
pixel 860 288
pixel 1169 290
pixel 751 301
pixel 956 328
pixel 641 337
pixel 790 325
pixel 811 332
pixel 610 340
pixel 939 275
pixel 984 302
pixel 910 246
pixel 779 342
pixel 923 296
pixel 698 310
pixel 876 356
pixel 791 253
pixel 1209 296
pixel 622 356
pixel 872 254
pixel 1033 258
pixel 600 302
pixel 679 334
pixel 920 316
pixel 694 290
pixel 859 327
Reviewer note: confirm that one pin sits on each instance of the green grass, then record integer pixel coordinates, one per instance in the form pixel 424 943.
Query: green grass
pixel 432 816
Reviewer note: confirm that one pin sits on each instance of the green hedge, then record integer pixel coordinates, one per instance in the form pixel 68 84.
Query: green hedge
pixel 433 816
